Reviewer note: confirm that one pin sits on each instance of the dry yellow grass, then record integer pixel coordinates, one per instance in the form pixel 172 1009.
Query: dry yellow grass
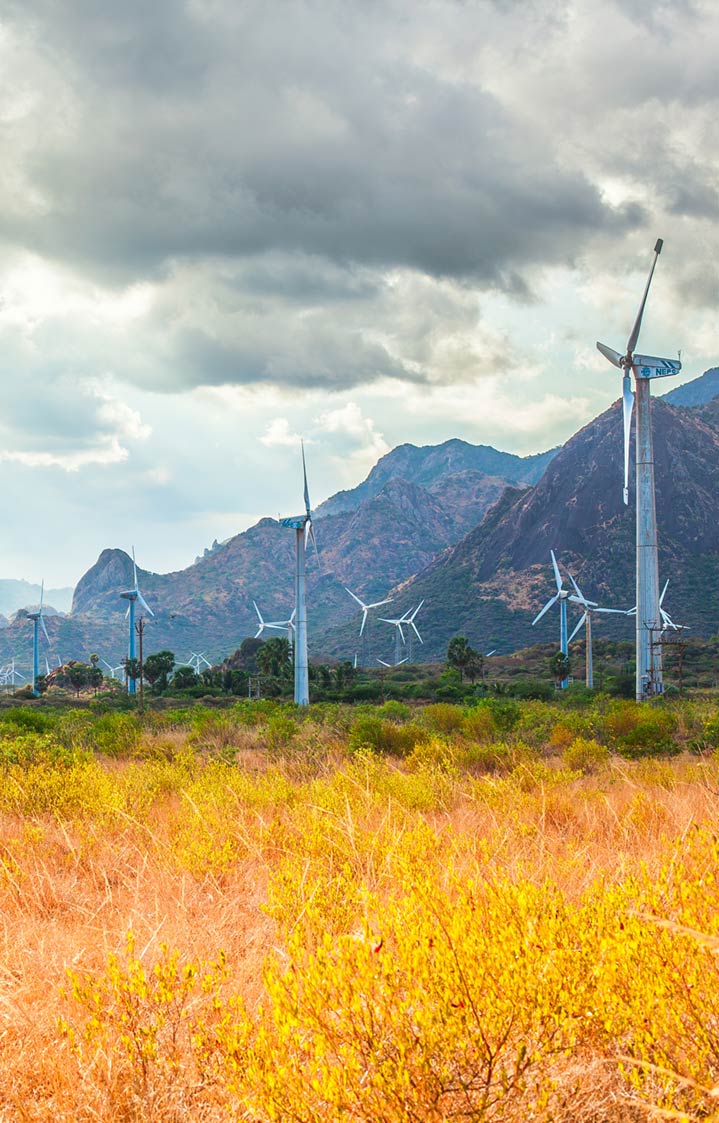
pixel 270 855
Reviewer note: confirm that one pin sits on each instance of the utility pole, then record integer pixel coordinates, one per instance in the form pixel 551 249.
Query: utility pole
pixel 140 629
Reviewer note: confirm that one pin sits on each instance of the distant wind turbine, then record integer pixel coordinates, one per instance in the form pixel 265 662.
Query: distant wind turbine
pixel 277 625
pixel 302 526
pixel 133 595
pixel 590 607
pixel 37 621
pixel 649 679
pixel 562 595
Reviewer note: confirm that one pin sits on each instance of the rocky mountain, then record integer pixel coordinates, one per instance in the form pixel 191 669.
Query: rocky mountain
pixel 433 465
pixel 491 584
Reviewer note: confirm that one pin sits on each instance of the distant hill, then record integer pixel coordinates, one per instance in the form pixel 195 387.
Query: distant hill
pixel 697 392
pixel 23 594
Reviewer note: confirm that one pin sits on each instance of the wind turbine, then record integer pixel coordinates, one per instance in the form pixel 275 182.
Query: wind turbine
pixel 649 679
pixel 37 620
pixel 666 618
pixel 302 526
pixel 133 595
pixel 562 595
pixel 409 618
pixel 590 607
pixel 365 611
pixel 397 622
pixel 276 624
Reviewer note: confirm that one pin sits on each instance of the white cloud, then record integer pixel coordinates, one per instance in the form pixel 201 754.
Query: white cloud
pixel 279 433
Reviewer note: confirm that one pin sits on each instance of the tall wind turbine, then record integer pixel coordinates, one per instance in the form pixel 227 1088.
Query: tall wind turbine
pixel 133 595
pixel 590 607
pixel 302 526
pixel 649 679
pixel 562 595
pixel 37 621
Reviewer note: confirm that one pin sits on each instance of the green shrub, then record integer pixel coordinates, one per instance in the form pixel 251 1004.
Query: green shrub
pixel 21 717
pixel 279 732
pixel 394 711
pixel 585 755
pixel 640 730
pixel 385 736
pixel 443 717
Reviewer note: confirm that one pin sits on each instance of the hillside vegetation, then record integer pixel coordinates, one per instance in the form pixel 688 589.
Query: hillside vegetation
pixel 506 911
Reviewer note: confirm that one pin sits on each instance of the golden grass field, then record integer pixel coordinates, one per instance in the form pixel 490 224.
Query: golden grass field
pixel 218 916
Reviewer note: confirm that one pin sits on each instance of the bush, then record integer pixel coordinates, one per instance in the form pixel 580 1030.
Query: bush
pixel 18 717
pixel 637 731
pixel 442 717
pixel 585 755
pixel 384 736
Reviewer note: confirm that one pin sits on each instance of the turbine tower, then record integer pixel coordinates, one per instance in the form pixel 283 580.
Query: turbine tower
pixel 562 595
pixel 590 607
pixel 37 620
pixel 649 679
pixel 133 595
pixel 397 622
pixel 302 526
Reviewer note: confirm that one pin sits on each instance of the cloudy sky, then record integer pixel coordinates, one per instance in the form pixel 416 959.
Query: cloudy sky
pixel 224 223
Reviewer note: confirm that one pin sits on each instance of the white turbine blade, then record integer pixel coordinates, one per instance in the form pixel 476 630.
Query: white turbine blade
pixel 557 574
pixel 492 652
pixel 42 621
pixel 413 625
pixel 546 608
pixel 631 611
pixel 259 614
pixel 620 611
pixel 667 620
pixel 614 357
pixel 666 584
pixel 384 620
pixel 128 611
pixel 304 473
pixel 364 620
pixel 416 610
pixel 377 603
pixel 627 407
pixel 314 543
pixel 383 662
pixel 359 602
pixel 401 661
pixel 134 567
pixel 577 590
pixel 399 627
pixel 42 593
pixel 634 337
pixel 144 604
pixel 581 621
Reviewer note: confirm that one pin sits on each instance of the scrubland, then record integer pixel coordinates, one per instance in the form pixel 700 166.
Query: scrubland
pixel 505 912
